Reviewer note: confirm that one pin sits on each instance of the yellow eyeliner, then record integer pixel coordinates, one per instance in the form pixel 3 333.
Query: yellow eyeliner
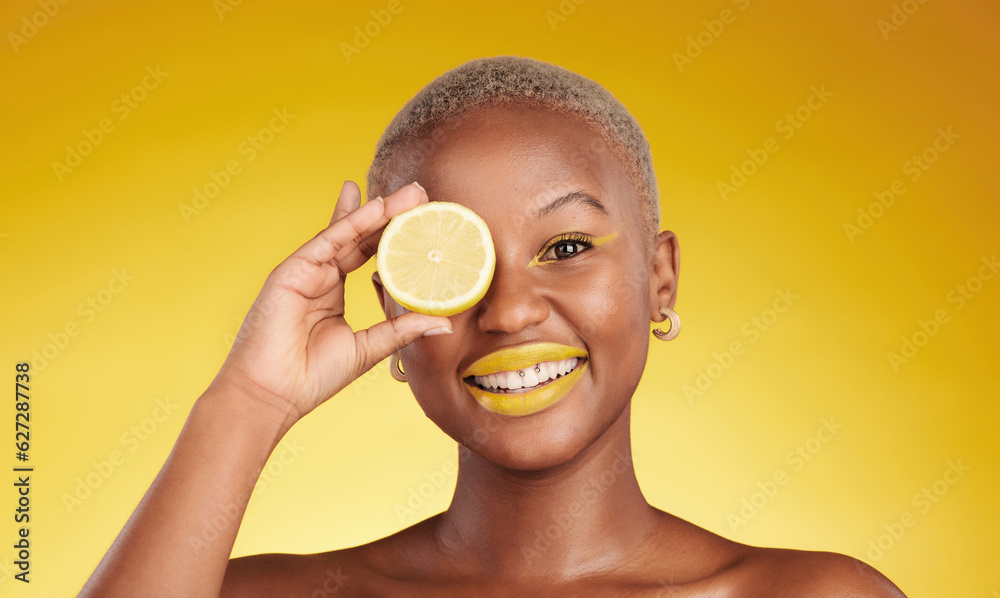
pixel 597 242
pixel 605 239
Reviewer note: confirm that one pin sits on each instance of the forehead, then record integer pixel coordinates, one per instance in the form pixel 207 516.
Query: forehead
pixel 512 161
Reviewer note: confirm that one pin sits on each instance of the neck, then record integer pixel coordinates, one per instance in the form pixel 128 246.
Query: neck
pixel 582 517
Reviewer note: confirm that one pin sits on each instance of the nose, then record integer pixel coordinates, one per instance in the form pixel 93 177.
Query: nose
pixel 512 302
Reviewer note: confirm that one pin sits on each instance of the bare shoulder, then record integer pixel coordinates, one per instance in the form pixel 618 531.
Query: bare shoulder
pixel 821 574
pixel 702 562
pixel 267 575
pixel 367 570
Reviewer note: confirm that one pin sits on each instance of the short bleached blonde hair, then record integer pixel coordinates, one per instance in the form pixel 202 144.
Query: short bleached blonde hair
pixel 505 80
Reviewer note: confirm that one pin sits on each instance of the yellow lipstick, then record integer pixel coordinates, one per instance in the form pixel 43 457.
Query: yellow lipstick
pixel 518 358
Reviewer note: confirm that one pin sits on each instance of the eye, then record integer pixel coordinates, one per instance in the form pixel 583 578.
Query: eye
pixel 564 247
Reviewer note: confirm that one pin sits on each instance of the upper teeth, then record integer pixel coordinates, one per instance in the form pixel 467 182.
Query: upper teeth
pixel 529 376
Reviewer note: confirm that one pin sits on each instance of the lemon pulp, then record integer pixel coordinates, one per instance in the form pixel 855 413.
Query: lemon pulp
pixel 437 258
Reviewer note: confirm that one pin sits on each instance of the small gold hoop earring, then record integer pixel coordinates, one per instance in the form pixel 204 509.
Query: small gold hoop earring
pixel 396 368
pixel 675 325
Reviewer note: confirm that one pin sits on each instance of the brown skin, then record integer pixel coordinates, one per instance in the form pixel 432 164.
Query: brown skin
pixel 568 466
pixel 179 538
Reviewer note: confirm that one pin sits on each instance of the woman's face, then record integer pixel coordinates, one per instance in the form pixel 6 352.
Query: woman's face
pixel 575 268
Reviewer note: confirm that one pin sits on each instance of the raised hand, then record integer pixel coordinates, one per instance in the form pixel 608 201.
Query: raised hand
pixel 295 349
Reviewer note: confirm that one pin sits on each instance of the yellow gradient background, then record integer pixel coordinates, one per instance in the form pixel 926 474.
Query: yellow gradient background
pixel 348 471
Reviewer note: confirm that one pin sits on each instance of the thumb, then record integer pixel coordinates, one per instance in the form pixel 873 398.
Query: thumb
pixel 385 338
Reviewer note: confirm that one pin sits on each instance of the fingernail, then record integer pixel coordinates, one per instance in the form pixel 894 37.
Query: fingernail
pixel 437 331
pixel 419 185
pixel 379 198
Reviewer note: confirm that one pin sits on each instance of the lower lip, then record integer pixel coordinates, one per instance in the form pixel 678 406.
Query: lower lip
pixel 526 403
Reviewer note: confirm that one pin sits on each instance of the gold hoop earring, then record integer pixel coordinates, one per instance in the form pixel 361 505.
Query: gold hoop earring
pixel 675 325
pixel 396 368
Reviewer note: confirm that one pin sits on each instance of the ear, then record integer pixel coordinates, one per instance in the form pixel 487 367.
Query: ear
pixel 664 274
pixel 383 295
pixel 390 308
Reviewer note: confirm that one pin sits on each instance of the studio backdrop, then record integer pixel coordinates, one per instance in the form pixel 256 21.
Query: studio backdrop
pixel 828 167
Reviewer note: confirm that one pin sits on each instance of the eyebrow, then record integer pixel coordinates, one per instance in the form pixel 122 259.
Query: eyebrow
pixel 571 197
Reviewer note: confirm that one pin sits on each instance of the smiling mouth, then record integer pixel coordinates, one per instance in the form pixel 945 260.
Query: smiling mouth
pixel 527 379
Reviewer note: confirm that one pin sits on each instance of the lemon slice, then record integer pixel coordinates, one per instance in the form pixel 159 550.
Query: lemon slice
pixel 436 258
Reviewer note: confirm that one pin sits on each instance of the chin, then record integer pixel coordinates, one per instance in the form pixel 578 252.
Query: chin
pixel 543 441
pixel 553 437
pixel 535 455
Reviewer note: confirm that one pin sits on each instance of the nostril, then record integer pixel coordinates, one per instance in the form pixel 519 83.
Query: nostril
pixel 511 316
pixel 512 303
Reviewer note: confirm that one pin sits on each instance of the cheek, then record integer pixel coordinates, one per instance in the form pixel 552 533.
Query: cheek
pixel 613 300
pixel 429 367
pixel 610 315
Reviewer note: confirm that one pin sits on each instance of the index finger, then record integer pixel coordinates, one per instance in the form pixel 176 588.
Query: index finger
pixel 348 201
pixel 343 235
pixel 405 198
pixel 352 239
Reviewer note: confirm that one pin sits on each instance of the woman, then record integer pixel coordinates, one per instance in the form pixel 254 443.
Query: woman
pixel 534 382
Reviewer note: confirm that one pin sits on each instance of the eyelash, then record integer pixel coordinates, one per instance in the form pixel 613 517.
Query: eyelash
pixel 586 241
